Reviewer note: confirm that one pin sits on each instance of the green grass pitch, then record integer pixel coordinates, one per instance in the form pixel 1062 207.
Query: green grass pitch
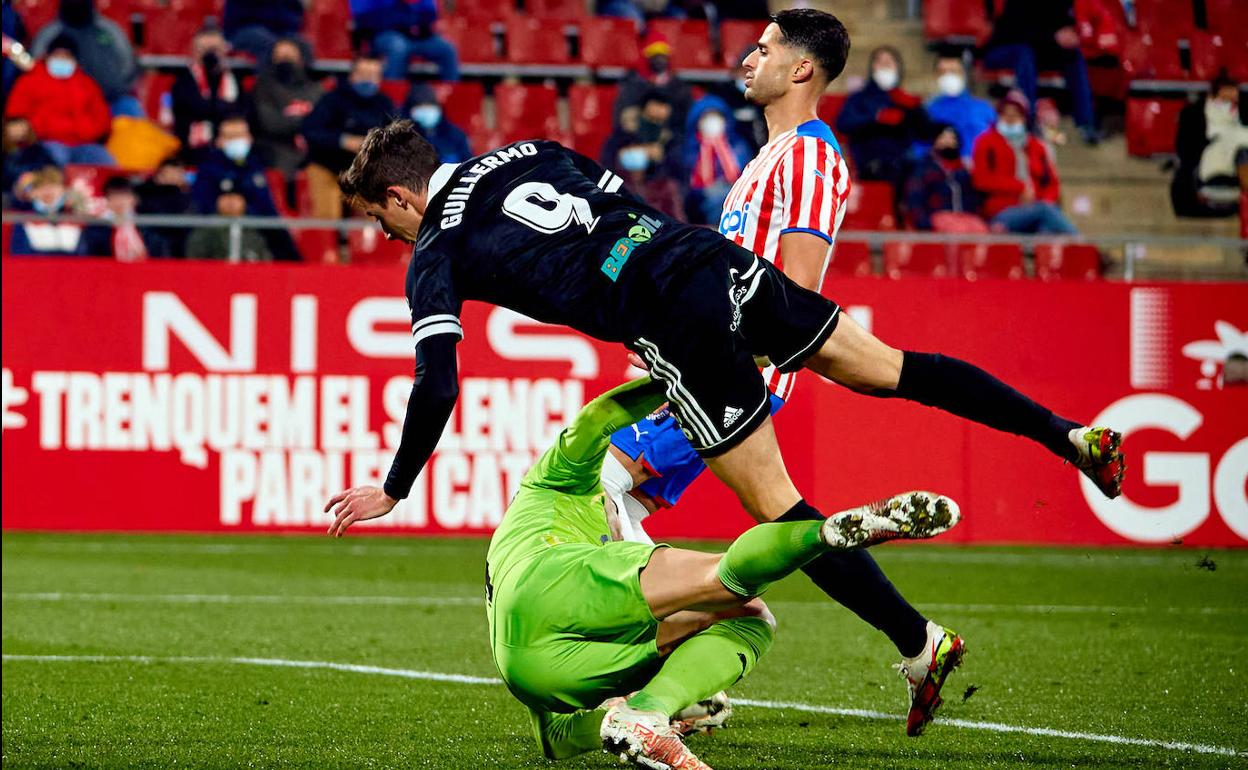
pixel 175 652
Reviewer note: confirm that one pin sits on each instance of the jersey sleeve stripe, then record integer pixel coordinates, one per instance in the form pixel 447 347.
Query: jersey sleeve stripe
pixel 437 318
pixel 431 330
pixel 613 185
pixel 796 180
pixel 810 230
pixel 812 214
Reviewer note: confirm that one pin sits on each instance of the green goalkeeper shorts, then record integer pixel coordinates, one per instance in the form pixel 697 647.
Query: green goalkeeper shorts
pixel 570 627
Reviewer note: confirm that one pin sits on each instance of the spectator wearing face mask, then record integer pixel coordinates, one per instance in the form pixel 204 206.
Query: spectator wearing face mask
pixel 654 74
pixel 120 238
pixel 336 127
pixel 401 29
pixel 44 192
pixel 166 191
pixel 23 153
pixel 641 151
pixel 283 97
pixel 255 27
pixel 104 52
pixel 235 165
pixel 204 92
pixel 939 194
pixel 447 138
pixel 955 106
pixel 213 242
pixel 715 155
pixel 882 121
pixel 64 106
pixel 1212 145
pixel 1013 172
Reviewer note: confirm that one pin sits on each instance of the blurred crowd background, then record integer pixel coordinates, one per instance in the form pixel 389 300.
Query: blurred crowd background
pixel 1060 118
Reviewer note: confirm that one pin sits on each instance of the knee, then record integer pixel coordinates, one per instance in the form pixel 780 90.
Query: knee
pixel 757 608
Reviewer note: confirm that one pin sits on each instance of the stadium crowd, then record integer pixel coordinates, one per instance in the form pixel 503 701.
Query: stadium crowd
pixel 250 124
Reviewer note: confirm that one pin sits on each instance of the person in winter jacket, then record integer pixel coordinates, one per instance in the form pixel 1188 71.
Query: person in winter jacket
pixel 104 52
pixel 204 92
pixel 446 137
pixel 714 155
pixel 283 97
pixel 255 27
pixel 65 107
pixel 940 184
pixel 882 121
pixel 1014 173
pixel 401 29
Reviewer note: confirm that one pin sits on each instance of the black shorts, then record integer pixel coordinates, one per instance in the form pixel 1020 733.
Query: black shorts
pixel 701 337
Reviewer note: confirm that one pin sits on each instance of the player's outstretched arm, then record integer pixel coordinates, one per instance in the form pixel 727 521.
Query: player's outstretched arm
pixel 434 393
pixel 590 432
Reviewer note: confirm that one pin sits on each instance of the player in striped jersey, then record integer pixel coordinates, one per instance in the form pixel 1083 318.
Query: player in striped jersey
pixel 786 207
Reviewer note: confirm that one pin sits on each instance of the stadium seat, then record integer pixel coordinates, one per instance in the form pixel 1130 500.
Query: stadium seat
pixel 956 20
pixel 570 10
pixel 850 259
pixel 472 39
pixel 168 30
pixel 737 37
pixel 590 144
pixel 589 107
pixel 690 41
pixel 1072 261
pixel 370 247
pixel 278 187
pixel 916 260
pixel 493 10
pixel 990 260
pixel 830 106
pixel 1152 125
pixel 35 14
pixel 870 207
pixel 536 41
pixel 327 25
pixel 1151 57
pixel 317 246
pixel 609 42
pixel 526 111
pixel 1174 18
pixel 152 90
pixel 463 103
pixel 484 139
pixel 397 90
pixel 1227 17
pixel 1207 51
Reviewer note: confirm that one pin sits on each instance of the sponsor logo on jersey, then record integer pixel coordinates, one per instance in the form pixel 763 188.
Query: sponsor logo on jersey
pixel 731 415
pixel 638 234
pixel 734 221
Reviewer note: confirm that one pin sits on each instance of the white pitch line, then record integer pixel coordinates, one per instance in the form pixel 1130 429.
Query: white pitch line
pixel 435 676
pixel 370 600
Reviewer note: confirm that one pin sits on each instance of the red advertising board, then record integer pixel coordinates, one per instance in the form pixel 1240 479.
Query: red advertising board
pixel 198 397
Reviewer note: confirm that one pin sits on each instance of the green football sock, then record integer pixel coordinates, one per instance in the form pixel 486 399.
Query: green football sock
pixel 566 735
pixel 710 661
pixel 768 552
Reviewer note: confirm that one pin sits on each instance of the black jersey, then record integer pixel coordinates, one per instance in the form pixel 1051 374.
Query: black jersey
pixel 546 232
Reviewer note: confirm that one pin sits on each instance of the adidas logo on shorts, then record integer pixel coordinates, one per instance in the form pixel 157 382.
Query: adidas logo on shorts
pixel 731 415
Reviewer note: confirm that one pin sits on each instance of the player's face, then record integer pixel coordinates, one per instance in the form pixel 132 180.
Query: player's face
pixel 399 217
pixel 768 68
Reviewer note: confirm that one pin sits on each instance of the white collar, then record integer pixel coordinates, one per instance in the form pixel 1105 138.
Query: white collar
pixel 440 178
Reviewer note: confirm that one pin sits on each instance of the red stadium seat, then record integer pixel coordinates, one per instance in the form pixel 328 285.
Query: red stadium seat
pixel 90 179
pixel 494 10
pixel 1151 57
pixel 916 260
pixel 317 246
pixel 1152 125
pixel 590 144
pixel 690 41
pixel 277 186
pixel 463 103
pixel 1174 18
pixel 589 107
pixel 536 41
pixel 370 247
pixel 1207 52
pixel 995 260
pixel 526 111
pixel 472 39
pixel 484 139
pixel 327 24
pixel 396 90
pixel 1227 17
pixel 1072 261
pixel 153 93
pixel 168 31
pixel 870 207
pixel 830 106
pixel 556 9
pixel 850 259
pixel 35 14
pixel 609 42
pixel 965 20
pixel 737 37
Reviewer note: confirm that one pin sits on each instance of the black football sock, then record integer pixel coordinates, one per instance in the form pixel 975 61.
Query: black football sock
pixel 957 387
pixel 853 579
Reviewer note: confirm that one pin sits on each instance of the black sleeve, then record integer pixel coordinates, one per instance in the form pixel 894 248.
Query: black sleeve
pixel 428 408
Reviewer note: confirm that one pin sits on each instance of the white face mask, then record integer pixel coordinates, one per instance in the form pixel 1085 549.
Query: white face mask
pixel 951 84
pixel 885 77
pixel 712 125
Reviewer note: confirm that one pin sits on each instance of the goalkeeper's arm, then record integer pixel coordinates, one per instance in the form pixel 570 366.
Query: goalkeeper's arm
pixel 565 735
pixel 590 432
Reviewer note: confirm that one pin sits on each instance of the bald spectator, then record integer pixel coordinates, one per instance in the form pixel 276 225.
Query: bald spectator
pixel 104 52
pixel 65 107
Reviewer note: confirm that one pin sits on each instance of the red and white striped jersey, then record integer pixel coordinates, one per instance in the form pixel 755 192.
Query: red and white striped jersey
pixel 798 183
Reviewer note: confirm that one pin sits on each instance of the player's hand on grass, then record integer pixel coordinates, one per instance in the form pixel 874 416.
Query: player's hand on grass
pixel 357 504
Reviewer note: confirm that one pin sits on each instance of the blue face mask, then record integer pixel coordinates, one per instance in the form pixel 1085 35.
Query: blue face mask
pixel 1013 131
pixel 427 115
pixel 236 149
pixel 366 88
pixel 61 68
pixel 46 208
pixel 634 159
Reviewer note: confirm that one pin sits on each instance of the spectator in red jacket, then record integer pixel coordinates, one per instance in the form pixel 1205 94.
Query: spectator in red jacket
pixel 64 106
pixel 1014 173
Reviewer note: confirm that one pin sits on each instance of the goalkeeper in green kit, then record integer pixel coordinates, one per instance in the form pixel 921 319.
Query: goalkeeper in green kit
pixel 624 645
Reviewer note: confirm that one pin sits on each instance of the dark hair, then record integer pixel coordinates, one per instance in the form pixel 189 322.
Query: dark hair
pixel 63 42
pixel 1222 80
pixel 654 95
pixel 394 154
pixel 118 184
pixel 891 51
pixel 232 115
pixel 819 34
